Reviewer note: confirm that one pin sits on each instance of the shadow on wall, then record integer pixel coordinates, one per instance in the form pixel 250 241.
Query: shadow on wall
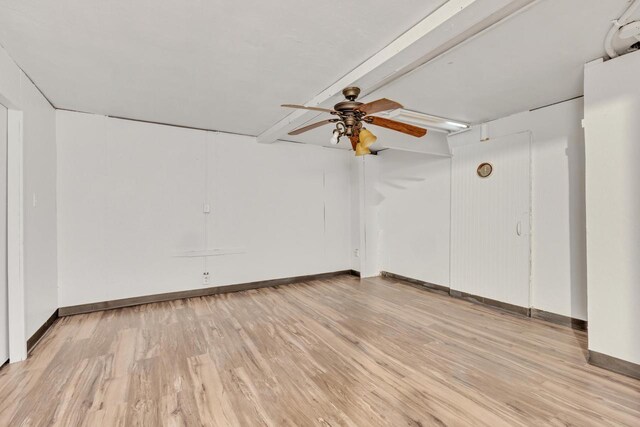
pixel 409 206
pixel 402 170
pixel 577 234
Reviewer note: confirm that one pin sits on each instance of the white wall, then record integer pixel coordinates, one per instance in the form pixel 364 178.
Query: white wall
pixel 558 254
pixel 369 222
pixel 39 176
pixel 4 288
pixel 416 205
pixel 355 184
pixel 612 128
pixel 414 197
pixel 131 198
pixel 365 215
pixel 490 220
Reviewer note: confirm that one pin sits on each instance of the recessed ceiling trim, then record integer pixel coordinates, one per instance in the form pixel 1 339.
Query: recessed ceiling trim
pixel 151 122
pixel 435 123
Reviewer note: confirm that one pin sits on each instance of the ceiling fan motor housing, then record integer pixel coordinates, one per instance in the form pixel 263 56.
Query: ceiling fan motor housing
pixel 352 114
pixel 351 92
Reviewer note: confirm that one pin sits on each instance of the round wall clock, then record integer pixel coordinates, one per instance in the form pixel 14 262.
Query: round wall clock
pixel 484 170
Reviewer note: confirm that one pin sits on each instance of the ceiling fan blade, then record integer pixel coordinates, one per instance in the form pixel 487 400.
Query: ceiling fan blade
pixel 324 110
pixel 397 126
pixel 382 104
pixel 354 142
pixel 309 127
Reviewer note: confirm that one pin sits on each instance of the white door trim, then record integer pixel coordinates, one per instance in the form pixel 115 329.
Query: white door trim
pixel 15 238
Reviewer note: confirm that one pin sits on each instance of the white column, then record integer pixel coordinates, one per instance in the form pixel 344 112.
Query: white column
pixel 612 170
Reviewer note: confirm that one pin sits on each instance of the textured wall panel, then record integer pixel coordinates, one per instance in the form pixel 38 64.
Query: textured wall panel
pixel 488 256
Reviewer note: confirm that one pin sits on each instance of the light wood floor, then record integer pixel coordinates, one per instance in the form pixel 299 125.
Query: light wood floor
pixel 332 352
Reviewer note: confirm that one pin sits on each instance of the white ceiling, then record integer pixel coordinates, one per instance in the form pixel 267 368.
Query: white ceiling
pixel 214 64
pixel 534 58
pixel 227 65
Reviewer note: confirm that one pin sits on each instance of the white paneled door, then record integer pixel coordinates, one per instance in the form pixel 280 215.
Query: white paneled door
pixel 4 319
pixel 490 229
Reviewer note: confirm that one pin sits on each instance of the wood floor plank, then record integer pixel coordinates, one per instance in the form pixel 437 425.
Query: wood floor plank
pixel 339 351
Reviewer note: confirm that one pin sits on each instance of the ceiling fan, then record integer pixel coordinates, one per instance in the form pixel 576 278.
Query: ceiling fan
pixel 351 115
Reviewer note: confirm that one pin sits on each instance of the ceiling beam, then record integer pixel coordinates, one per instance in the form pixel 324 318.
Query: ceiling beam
pixel 426 40
pixel 420 30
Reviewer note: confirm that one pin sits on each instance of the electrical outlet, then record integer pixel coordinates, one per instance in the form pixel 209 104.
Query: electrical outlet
pixel 356 253
pixel 205 278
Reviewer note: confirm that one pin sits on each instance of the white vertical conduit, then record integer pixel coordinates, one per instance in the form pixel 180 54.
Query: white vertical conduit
pixel 617 24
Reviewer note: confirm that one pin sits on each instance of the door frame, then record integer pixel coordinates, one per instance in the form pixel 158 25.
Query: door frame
pixel 529 230
pixel 15 231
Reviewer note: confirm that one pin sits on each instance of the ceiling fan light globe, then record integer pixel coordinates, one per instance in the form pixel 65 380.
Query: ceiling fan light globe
pixel 361 150
pixel 334 138
pixel 366 138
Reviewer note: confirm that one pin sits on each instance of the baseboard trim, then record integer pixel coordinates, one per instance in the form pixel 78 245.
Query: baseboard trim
pixel 417 283
pixel 614 364
pixel 354 273
pixel 512 308
pixel 559 319
pixel 35 338
pixel 170 296
pixel 524 311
